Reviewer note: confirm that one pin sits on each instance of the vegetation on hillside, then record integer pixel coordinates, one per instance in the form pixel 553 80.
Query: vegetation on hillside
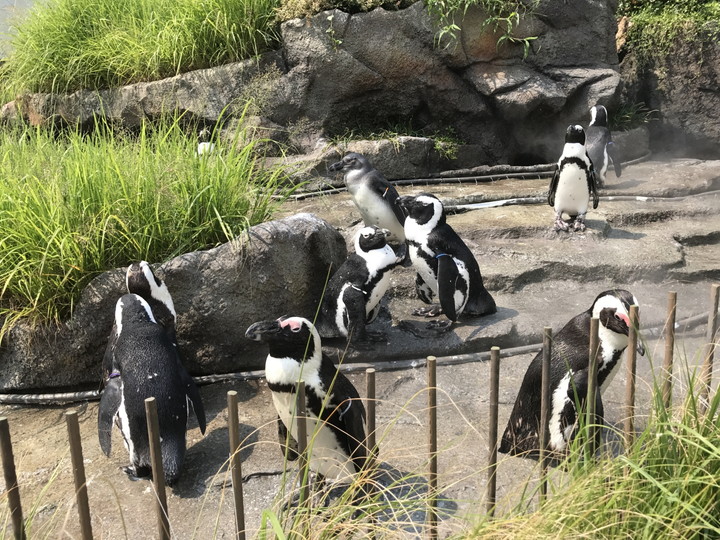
pixel 656 24
pixel 74 206
pixel 67 45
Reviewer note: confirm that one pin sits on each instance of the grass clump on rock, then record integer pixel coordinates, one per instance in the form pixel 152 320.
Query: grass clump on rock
pixel 65 45
pixel 76 205
pixel 657 24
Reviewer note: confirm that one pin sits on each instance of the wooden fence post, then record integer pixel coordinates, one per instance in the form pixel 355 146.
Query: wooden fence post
pixel 669 350
pixel 76 456
pixel 304 459
pixel 158 473
pixel 235 463
pixel 370 407
pixel 11 485
pixel 591 421
pixel 629 423
pixel 545 409
pixel 707 368
pixel 493 429
pixel 432 517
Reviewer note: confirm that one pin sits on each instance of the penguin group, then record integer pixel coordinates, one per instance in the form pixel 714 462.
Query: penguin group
pixel 142 358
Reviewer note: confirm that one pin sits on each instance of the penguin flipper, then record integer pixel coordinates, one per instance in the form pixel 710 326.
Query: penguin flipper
pixel 288 444
pixel 553 186
pixel 447 284
pixel 390 194
pixel 592 186
pixel 193 395
pixel 612 153
pixel 109 405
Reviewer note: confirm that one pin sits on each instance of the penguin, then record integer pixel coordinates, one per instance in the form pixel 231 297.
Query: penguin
pixel 374 196
pixel 145 364
pixel 569 376
pixel 600 147
pixel 352 296
pixel 573 183
pixel 335 412
pixel 446 268
pixel 204 146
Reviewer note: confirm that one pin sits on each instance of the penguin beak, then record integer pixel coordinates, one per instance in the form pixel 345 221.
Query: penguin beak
pixel 405 201
pixel 640 347
pixel 260 330
pixel 336 166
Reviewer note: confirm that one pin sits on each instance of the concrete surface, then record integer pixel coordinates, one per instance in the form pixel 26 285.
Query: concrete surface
pixel 538 278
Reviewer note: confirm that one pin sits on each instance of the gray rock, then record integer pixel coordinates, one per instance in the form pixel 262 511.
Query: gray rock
pixel 277 269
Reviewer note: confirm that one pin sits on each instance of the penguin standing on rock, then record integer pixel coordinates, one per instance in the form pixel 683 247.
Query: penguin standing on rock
pixel 573 183
pixel 145 364
pixel 335 412
pixel 569 376
pixel 445 267
pixel 374 196
pixel 352 297
pixel 600 147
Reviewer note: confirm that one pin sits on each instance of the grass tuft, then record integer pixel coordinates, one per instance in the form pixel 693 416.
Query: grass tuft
pixel 77 205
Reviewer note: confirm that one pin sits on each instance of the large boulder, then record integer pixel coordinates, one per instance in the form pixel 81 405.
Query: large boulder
pixel 337 71
pixel 278 268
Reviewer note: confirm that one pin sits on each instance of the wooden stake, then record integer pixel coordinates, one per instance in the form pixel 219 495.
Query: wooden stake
pixel 235 463
pixel 370 406
pixel 545 409
pixel 432 518
pixel 493 429
pixel 78 466
pixel 304 459
pixel 590 420
pixel 158 473
pixel 669 349
pixel 11 485
pixel 629 423
pixel 707 368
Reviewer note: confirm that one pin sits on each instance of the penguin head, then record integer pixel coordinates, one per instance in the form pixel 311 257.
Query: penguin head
pixel 598 116
pixel 287 337
pixel 575 135
pixel 424 210
pixel 130 310
pixel 612 307
pixel 370 238
pixel 141 280
pixel 351 162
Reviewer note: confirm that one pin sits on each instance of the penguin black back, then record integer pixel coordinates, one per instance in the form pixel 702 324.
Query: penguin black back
pixel 569 376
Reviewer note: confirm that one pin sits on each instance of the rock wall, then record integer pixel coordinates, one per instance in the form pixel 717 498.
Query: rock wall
pixel 337 71
pixel 683 85
pixel 277 269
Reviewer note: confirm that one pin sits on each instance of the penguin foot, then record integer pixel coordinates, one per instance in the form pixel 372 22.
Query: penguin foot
pixel 137 473
pixel 439 325
pixel 560 224
pixel 579 225
pixel 432 311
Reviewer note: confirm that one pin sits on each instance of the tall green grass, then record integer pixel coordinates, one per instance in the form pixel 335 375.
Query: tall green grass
pixel 75 205
pixel 65 45
pixel 666 486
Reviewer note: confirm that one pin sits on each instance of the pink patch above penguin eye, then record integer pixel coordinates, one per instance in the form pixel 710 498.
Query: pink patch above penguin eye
pixel 294 324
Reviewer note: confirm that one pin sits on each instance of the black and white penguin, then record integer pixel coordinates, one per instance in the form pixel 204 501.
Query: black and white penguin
pixel 446 268
pixel 374 196
pixel 599 144
pixel 335 412
pixel 573 183
pixel 145 364
pixel 353 294
pixel 569 376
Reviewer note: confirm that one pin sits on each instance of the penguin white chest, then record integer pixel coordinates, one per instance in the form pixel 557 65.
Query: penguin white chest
pixel 326 455
pixel 422 266
pixel 376 211
pixel 572 195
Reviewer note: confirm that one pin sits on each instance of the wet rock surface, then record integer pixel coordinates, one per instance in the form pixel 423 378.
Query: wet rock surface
pixel 665 239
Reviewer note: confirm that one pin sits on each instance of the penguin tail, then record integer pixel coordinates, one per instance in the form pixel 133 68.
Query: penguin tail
pixel 482 304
